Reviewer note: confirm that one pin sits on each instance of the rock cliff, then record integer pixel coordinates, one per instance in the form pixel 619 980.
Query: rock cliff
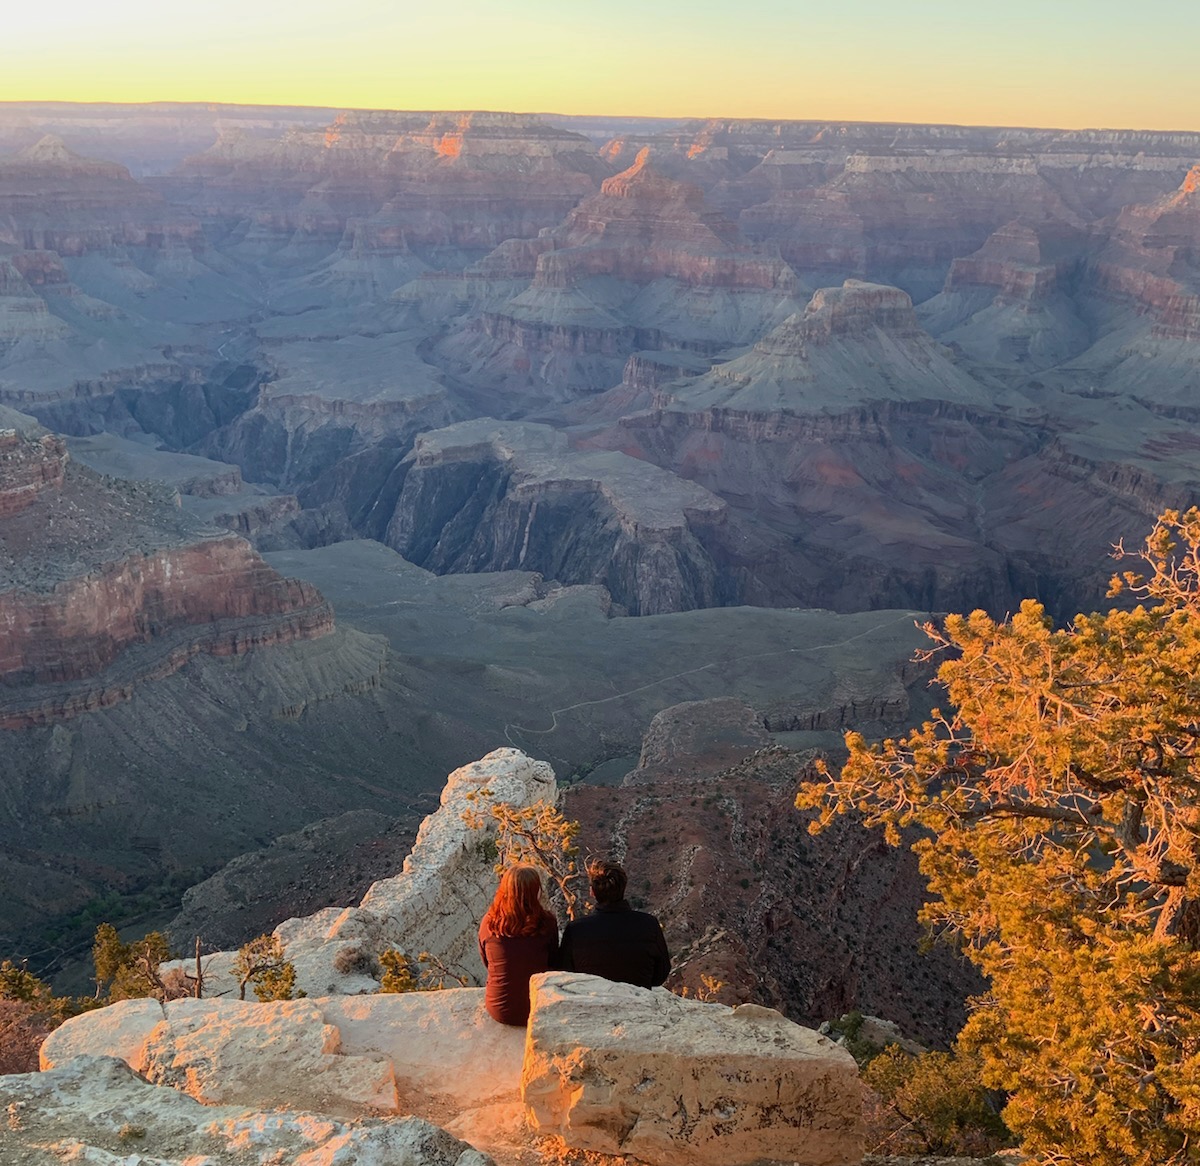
pixel 104 585
pixel 484 496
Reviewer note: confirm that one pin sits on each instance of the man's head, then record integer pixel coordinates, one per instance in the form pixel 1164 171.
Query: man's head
pixel 608 881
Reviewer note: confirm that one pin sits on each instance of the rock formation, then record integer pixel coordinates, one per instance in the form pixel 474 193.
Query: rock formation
pixel 97 576
pixel 98 1110
pixel 51 199
pixel 433 905
pixel 440 1056
pixel 455 181
pixel 622 1070
pixel 692 282
pixel 484 496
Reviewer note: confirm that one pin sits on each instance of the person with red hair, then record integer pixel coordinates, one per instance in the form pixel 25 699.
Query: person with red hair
pixel 518 937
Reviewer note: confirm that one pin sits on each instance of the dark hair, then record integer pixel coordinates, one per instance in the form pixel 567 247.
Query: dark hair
pixel 517 908
pixel 608 881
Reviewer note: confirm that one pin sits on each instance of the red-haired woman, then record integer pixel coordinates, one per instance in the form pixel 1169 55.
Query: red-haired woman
pixel 518 937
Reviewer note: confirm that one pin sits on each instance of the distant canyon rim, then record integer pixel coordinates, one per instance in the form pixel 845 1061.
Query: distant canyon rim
pixel 342 447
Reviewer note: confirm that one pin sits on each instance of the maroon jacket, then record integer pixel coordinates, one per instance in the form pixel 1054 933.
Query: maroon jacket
pixel 510 961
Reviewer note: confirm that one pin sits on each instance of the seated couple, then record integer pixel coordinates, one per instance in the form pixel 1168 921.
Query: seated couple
pixel 518 938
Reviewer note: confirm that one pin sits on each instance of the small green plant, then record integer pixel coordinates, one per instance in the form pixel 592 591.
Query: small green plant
pixel 427 973
pixel 940 1101
pixel 261 963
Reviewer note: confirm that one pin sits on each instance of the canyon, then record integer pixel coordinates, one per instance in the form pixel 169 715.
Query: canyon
pixel 341 447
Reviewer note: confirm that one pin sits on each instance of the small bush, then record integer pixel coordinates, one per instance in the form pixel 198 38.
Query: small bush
pixel 938 1103
pixel 356 961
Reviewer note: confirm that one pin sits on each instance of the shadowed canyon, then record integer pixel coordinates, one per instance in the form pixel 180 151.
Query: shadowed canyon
pixel 340 448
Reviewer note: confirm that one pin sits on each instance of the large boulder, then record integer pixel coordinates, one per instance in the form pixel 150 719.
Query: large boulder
pixel 624 1070
pixel 435 1054
pixel 97 1110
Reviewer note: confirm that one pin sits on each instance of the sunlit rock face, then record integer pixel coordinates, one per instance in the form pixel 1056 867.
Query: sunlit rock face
pixel 433 905
pixel 666 1080
pixel 616 1069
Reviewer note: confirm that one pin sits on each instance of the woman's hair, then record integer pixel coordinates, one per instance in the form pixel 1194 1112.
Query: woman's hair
pixel 517 908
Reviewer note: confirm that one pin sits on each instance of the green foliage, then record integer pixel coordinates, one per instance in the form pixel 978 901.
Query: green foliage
pixel 128 971
pixel 1058 808
pixel 537 835
pixel 941 1100
pixel 426 973
pixel 261 964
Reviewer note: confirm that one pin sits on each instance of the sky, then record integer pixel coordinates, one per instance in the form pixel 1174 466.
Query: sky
pixel 1058 63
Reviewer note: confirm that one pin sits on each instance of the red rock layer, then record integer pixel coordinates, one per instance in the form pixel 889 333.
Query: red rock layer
pixel 78 629
pixel 104 585
pixel 642 227
pixel 27 468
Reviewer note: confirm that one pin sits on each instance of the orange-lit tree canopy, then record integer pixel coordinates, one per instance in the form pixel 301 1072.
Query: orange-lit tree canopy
pixel 1058 807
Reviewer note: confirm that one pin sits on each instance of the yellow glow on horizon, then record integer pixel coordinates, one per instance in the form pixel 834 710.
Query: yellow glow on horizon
pixel 926 61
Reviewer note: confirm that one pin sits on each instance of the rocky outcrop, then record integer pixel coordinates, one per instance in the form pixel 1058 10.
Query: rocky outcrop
pixel 433 905
pixel 436 1054
pixel 727 1085
pixel 104 585
pixel 98 1110
pixel 616 1069
pixel 51 199
pixel 29 466
pixel 487 496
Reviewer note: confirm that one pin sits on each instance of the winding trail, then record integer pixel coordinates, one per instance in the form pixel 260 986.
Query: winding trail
pixel 907 616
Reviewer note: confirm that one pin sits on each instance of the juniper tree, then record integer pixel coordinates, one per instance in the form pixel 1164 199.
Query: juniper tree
pixel 1057 805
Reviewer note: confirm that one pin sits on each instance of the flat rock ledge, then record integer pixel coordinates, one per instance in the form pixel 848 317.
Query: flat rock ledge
pixel 96 1110
pixel 604 1066
pixel 624 1070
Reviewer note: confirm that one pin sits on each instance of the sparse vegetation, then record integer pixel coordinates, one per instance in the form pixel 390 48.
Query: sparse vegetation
pixel 261 963
pixel 934 1103
pixel 127 971
pixel 426 973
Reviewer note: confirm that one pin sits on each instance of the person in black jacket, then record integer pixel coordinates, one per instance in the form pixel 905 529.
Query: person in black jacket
pixel 615 941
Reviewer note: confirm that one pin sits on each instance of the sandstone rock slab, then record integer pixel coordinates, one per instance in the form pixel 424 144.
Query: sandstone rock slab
pixel 625 1070
pixel 226 1051
pixel 97 1110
